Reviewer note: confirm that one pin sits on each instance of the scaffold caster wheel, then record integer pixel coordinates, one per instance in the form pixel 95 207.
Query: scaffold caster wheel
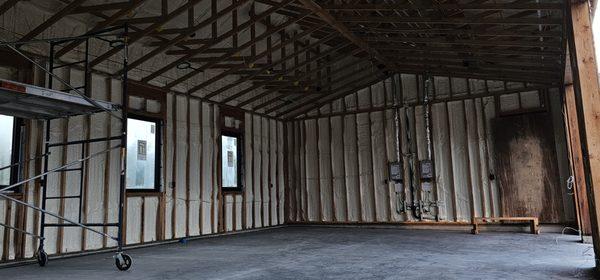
pixel 42 257
pixel 123 261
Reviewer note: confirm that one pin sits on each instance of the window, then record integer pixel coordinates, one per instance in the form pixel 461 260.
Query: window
pixel 231 162
pixel 9 150
pixel 143 154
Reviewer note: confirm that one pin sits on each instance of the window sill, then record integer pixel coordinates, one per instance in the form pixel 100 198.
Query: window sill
pixel 136 193
pixel 235 191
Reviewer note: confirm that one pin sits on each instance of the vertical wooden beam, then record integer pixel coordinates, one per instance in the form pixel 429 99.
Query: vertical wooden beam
pixel 318 177
pixel 576 162
pixel 305 203
pixel 372 155
pixel 277 163
pixel 287 193
pixel 201 170
pixel 261 186
pixel 269 181
pixel 187 169
pixel 221 203
pixel 587 96
pixel 253 212
pixel 174 170
pixel 162 198
pixel 342 132
pixel 246 182
pixel 213 182
pixel 360 187
pixel 334 215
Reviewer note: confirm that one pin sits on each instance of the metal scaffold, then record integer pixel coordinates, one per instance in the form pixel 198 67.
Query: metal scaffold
pixel 32 102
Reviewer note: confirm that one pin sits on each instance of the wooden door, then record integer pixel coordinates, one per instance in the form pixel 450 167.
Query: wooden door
pixel 527 169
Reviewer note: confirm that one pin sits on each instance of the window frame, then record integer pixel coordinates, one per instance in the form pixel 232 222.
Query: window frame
pixel 240 158
pixel 158 153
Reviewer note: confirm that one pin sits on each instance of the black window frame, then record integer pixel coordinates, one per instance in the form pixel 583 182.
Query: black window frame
pixel 16 155
pixel 158 153
pixel 240 159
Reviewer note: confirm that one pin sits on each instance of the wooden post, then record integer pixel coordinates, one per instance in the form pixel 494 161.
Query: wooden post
pixel 587 96
pixel 576 161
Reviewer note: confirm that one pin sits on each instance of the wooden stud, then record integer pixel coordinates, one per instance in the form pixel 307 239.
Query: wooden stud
pixel 174 171
pixel 187 168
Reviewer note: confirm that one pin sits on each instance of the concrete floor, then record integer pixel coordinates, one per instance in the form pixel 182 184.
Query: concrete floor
pixel 339 253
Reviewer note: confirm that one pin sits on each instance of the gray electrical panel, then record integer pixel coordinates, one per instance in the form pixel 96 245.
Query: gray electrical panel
pixel 396 172
pixel 426 167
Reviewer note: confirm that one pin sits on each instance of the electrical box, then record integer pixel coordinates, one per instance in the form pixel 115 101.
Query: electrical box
pixel 426 168
pixel 396 172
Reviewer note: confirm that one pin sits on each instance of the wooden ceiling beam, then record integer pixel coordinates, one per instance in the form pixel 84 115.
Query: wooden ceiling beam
pixel 329 82
pixel 206 47
pixel 186 35
pixel 159 23
pixel 358 84
pixel 105 23
pixel 52 20
pixel 341 28
pixel 253 59
pixel 456 49
pixel 271 66
pixel 445 6
pixel 101 7
pixel 298 77
pixel 453 21
pixel 534 33
pixel 469 42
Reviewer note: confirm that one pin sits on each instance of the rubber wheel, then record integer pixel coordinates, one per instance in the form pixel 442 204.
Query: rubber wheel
pixel 42 258
pixel 125 264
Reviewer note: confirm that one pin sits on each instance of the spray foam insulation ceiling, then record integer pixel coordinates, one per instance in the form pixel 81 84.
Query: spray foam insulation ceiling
pixel 269 56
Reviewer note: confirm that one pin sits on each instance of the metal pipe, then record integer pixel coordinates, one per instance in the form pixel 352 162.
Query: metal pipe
pixel 21 231
pixel 58 168
pixel 123 144
pixel 54 215
pixel 24 161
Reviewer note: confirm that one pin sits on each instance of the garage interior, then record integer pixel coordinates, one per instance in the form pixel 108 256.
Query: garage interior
pixel 298 139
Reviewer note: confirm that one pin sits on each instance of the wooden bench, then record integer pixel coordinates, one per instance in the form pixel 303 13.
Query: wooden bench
pixel 533 221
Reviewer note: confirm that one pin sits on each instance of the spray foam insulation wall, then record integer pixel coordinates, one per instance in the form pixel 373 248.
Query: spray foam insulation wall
pixel 189 203
pixel 338 155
